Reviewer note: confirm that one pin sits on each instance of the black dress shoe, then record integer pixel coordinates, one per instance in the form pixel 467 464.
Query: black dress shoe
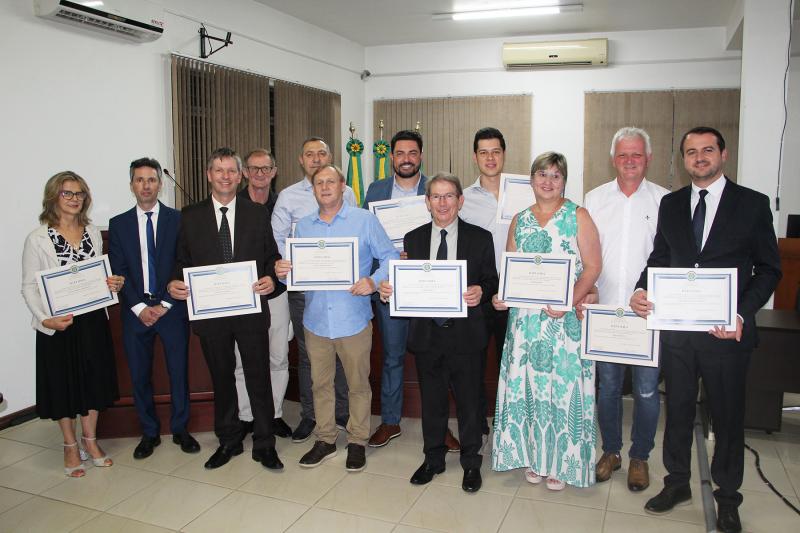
pixel 223 455
pixel 728 519
pixel 268 457
pixel 669 497
pixel 280 428
pixel 145 447
pixel 187 442
pixel 472 480
pixel 425 473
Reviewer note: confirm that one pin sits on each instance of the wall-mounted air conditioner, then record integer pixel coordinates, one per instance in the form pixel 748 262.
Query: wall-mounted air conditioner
pixel 589 52
pixel 135 20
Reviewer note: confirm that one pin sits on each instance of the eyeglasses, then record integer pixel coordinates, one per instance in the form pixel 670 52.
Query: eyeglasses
pixel 262 170
pixel 69 195
pixel 448 196
pixel 541 174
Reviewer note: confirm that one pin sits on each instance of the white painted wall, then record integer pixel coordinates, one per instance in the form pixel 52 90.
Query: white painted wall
pixel 79 100
pixel 651 60
pixel 790 173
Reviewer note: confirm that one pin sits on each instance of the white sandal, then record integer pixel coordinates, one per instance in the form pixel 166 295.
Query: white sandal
pixel 532 477
pixel 103 461
pixel 555 484
pixel 74 471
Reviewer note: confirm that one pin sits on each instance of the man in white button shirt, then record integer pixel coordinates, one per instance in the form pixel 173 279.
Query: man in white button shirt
pixel 625 211
pixel 295 202
pixel 480 208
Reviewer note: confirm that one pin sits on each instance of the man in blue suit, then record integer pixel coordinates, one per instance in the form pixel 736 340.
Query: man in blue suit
pixel 142 243
pixel 406 151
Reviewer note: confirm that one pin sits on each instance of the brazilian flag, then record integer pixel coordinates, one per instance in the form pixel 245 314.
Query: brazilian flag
pixel 354 175
pixel 381 151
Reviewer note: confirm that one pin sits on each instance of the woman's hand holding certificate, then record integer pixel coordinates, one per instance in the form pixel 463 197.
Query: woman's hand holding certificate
pixel 78 288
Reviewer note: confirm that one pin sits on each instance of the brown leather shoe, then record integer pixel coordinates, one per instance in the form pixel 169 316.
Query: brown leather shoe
pixel 451 442
pixel 638 475
pixel 384 434
pixel 606 466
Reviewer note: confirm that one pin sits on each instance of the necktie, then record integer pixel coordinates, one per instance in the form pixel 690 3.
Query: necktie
pixel 225 237
pixel 699 219
pixel 441 254
pixel 152 287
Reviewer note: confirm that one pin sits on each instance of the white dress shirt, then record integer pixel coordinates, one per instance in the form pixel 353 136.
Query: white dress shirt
pixel 627 226
pixel 230 215
pixel 712 203
pixel 451 239
pixel 480 208
pixel 141 219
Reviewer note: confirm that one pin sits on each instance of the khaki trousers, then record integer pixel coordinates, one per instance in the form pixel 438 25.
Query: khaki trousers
pixel 353 352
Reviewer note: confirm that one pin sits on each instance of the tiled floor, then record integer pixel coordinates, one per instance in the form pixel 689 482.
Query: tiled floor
pixel 171 491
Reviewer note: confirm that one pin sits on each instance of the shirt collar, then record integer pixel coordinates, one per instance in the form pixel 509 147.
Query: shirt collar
pixel 342 213
pixel 397 186
pixel 307 183
pixel 715 189
pixel 450 227
pixel 141 212
pixel 231 205
pixel 639 188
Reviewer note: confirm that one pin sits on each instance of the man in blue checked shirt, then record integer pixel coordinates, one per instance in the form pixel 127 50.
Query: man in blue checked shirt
pixel 339 322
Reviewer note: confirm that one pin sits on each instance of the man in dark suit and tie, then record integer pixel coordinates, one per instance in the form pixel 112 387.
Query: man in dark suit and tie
pixel 141 245
pixel 224 229
pixel 448 352
pixel 713 223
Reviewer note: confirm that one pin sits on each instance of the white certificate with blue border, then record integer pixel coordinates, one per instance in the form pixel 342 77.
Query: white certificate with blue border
pixel 322 264
pixel 217 291
pixel 423 288
pixel 692 299
pixel 534 281
pixel 401 215
pixel 76 288
pixel 515 195
pixel 618 335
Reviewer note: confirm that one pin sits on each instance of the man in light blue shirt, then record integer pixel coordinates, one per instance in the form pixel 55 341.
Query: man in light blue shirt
pixel 295 202
pixel 339 322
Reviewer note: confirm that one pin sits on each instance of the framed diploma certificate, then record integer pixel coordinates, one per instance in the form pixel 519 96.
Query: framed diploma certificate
pixel 76 288
pixel 222 290
pixel 320 264
pixel 537 280
pixel 400 216
pixel 618 335
pixel 692 299
pixel 515 195
pixel 424 288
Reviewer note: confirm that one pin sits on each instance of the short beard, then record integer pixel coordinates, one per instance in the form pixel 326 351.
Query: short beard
pixel 397 172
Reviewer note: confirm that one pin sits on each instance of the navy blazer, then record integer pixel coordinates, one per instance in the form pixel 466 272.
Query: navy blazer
pixel 741 237
pixel 125 255
pixel 476 247
pixel 382 189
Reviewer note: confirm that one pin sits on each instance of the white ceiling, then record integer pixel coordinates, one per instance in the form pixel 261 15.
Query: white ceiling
pixel 378 22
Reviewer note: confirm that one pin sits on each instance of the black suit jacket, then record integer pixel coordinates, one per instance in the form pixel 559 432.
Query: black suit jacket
pixel 476 247
pixel 741 237
pixel 252 240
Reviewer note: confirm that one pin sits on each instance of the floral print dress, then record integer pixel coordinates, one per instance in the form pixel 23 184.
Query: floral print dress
pixel 545 395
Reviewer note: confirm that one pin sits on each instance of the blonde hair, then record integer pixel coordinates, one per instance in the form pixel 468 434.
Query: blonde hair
pixel 52 190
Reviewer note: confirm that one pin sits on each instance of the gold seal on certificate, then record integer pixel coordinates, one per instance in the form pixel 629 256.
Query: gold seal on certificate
pixel 692 299
pixel 322 264
pixel 423 288
pixel 217 291
pixel 515 195
pixel 535 281
pixel 401 215
pixel 76 288
pixel 618 335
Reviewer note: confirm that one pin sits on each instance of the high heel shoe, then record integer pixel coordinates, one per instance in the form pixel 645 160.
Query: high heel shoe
pixel 103 461
pixel 74 471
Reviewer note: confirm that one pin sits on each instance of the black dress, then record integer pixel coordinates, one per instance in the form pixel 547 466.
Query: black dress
pixel 75 369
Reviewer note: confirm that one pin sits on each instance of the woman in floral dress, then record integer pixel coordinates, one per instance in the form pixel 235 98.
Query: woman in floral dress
pixel 544 419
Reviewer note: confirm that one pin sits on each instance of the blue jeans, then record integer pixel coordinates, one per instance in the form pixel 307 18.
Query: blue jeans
pixel 646 406
pixel 393 335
